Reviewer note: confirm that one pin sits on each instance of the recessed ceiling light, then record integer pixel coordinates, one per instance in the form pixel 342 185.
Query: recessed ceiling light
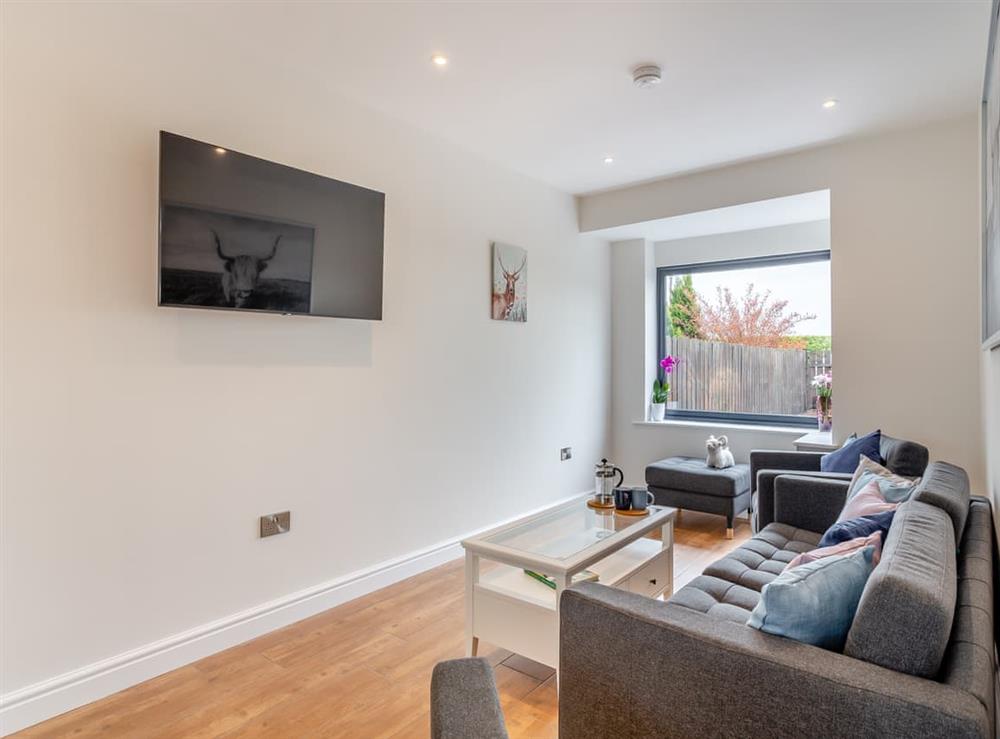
pixel 219 150
pixel 439 60
pixel 609 160
pixel 830 103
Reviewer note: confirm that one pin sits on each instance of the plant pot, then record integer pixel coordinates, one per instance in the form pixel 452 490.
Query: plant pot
pixel 657 411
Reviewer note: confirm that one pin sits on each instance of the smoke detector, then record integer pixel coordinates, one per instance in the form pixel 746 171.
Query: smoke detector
pixel 648 75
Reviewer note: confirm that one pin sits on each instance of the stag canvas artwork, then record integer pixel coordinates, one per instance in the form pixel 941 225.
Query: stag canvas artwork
pixel 222 260
pixel 510 283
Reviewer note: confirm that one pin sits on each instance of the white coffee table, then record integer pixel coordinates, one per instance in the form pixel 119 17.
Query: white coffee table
pixel 510 609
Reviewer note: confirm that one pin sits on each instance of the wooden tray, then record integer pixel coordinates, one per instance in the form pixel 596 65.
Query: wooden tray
pixel 630 512
pixel 600 506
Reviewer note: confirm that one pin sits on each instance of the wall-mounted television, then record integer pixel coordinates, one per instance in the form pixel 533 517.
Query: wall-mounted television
pixel 242 233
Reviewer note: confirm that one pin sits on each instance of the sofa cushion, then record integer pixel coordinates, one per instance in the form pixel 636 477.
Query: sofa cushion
pixel 815 602
pixel 847 458
pixel 852 528
pixel 894 488
pixel 905 615
pixel 946 487
pixel 693 475
pixel 764 557
pixel 730 588
pixel 845 547
pixel 866 502
pixel 717 598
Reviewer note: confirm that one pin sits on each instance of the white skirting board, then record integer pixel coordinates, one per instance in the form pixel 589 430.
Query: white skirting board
pixel 34 703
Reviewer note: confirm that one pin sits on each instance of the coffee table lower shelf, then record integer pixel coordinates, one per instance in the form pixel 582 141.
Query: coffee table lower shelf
pixel 513 610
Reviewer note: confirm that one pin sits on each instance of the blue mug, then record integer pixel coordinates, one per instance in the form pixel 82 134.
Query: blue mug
pixel 641 498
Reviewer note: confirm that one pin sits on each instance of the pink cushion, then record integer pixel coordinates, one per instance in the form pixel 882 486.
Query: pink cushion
pixel 844 547
pixel 869 500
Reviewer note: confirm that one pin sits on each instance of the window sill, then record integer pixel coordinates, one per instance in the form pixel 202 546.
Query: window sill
pixel 792 431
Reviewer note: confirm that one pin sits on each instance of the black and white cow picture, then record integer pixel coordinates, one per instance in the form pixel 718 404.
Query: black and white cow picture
pixel 224 260
pixel 242 272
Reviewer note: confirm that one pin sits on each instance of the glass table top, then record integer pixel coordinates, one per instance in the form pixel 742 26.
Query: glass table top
pixel 567 531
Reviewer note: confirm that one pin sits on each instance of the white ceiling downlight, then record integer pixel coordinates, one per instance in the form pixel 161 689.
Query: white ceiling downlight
pixel 830 103
pixel 648 75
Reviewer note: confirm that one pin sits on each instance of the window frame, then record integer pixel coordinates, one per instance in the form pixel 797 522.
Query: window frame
pixel 750 419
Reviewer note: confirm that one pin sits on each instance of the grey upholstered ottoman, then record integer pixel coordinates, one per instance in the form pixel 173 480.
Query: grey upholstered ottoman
pixel 686 482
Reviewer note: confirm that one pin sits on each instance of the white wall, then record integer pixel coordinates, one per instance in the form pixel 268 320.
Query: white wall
pixel 633 287
pixel 791 238
pixel 142 443
pixel 904 271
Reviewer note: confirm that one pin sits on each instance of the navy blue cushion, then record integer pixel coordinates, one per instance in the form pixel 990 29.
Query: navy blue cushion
pixel 852 528
pixel 847 458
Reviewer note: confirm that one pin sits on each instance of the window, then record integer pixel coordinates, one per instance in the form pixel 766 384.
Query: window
pixel 748 335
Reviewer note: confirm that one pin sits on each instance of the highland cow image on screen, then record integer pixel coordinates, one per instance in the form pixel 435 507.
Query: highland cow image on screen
pixel 222 260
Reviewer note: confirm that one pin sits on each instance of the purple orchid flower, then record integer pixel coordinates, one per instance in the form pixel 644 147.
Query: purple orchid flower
pixel 667 363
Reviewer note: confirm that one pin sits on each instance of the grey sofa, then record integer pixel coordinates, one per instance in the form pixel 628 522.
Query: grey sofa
pixel 919 660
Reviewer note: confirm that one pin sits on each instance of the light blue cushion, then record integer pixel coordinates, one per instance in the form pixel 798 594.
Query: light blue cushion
pixel 893 488
pixel 815 602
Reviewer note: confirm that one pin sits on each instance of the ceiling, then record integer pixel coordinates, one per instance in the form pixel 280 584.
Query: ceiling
pixel 545 88
pixel 802 208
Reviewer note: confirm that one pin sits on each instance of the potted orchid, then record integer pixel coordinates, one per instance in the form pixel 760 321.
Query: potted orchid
pixel 823 384
pixel 661 389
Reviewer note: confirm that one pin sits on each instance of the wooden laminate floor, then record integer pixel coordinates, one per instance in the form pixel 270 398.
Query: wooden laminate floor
pixel 359 670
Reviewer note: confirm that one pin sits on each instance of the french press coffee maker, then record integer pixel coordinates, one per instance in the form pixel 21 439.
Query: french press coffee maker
pixel 605 483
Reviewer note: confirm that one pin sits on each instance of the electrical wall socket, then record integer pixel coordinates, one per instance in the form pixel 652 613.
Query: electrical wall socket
pixel 565 453
pixel 275 523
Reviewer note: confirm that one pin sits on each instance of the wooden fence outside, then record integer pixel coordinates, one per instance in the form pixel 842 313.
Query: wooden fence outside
pixel 734 378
